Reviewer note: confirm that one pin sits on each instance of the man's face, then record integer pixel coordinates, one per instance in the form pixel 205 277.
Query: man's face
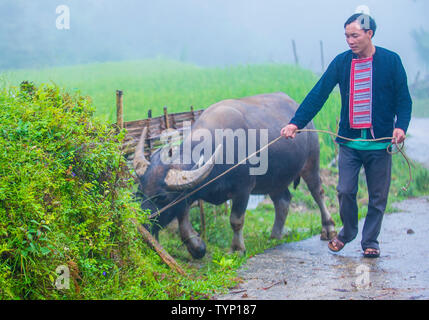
pixel 357 39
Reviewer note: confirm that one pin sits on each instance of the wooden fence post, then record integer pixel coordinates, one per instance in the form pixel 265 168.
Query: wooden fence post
pixel 294 52
pixel 167 123
pixel 322 56
pixel 193 114
pixel 416 79
pixel 149 117
pixel 151 241
pixel 119 109
pixel 203 219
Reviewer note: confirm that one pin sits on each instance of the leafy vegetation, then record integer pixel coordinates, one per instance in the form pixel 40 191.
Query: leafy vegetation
pixel 66 200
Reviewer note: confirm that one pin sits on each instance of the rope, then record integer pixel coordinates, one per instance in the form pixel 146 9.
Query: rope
pixel 212 180
pixel 400 149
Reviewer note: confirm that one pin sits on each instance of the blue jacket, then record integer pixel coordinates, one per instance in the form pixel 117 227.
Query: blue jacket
pixel 391 102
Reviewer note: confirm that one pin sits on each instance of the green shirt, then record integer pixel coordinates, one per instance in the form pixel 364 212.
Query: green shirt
pixel 366 145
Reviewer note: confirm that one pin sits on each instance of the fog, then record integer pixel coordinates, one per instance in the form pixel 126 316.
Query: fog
pixel 203 32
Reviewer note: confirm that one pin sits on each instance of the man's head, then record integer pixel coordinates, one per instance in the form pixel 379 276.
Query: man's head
pixel 359 31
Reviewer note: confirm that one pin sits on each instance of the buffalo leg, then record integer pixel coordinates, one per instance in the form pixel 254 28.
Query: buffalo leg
pixel 238 210
pixel 312 178
pixel 281 205
pixel 194 244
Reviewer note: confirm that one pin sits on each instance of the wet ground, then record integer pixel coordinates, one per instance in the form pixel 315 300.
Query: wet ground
pixel 308 270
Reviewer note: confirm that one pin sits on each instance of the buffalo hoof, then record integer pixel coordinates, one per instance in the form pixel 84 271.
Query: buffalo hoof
pixel 280 235
pixel 238 246
pixel 196 247
pixel 325 235
pixel 240 252
pixel 332 234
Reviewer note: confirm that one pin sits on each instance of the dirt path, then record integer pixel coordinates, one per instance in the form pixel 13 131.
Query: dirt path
pixel 308 270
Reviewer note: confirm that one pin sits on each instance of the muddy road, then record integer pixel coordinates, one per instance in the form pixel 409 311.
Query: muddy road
pixel 308 270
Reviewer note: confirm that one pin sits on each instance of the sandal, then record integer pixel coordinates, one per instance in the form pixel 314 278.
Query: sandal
pixel 335 245
pixel 371 253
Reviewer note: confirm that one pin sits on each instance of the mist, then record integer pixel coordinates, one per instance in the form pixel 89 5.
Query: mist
pixel 202 32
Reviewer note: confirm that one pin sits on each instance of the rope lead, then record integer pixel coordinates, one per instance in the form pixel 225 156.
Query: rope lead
pixel 399 147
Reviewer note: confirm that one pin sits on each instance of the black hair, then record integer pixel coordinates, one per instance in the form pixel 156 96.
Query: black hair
pixel 365 21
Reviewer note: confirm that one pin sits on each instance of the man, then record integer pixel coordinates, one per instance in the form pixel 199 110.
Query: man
pixel 375 104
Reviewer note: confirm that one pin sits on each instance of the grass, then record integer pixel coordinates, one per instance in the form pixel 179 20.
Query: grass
pixel 420 108
pixel 158 83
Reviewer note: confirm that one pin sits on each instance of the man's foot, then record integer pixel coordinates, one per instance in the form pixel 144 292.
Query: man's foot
pixel 371 253
pixel 335 245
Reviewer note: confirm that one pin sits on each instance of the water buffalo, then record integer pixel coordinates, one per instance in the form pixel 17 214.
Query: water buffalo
pixel 288 161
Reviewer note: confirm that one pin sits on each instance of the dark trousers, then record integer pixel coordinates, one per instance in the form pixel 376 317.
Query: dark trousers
pixel 378 166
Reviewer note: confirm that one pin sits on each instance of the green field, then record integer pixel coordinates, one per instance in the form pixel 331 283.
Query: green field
pixel 153 84
pixel 158 83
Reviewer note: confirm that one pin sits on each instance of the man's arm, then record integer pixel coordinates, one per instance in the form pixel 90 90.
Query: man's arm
pixel 403 102
pixel 313 102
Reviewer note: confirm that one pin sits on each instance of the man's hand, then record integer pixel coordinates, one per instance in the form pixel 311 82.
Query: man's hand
pixel 398 136
pixel 289 131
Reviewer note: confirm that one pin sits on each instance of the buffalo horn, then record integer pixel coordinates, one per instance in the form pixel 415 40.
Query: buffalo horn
pixel 179 180
pixel 140 163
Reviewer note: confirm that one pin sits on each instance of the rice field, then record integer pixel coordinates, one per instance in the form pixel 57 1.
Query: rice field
pixel 158 83
pixel 153 84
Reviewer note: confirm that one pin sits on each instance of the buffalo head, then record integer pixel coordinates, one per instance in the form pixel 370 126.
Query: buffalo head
pixel 161 184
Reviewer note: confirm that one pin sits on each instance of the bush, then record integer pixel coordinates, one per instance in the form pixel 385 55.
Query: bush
pixel 65 199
